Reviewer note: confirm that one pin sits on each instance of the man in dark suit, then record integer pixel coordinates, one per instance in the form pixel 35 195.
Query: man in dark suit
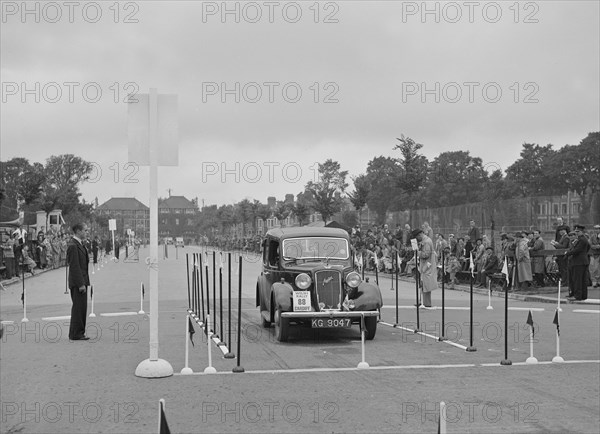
pixel 578 264
pixel 78 260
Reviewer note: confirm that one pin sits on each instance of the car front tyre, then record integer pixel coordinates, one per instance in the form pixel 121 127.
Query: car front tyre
pixel 281 326
pixel 371 327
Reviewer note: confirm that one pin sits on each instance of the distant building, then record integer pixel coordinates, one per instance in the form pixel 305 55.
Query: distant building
pixel 176 217
pixel 129 213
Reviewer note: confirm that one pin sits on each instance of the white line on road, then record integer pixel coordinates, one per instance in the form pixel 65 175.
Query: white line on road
pixel 386 368
pixel 586 311
pixel 56 318
pixel 533 309
pixel 119 314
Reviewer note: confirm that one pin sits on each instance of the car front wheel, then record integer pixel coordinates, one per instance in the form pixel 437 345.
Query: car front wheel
pixel 371 327
pixel 281 326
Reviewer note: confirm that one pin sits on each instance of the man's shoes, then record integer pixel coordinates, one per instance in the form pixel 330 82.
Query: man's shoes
pixel 82 338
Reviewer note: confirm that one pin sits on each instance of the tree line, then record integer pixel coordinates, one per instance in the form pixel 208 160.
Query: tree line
pixel 404 181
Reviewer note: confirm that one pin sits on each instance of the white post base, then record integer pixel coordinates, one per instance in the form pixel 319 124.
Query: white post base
pixel 558 359
pixel 531 360
pixel 490 307
pixel 92 315
pixel 24 319
pixel 141 312
pixel 186 371
pixel 210 370
pixel 363 365
pixel 154 369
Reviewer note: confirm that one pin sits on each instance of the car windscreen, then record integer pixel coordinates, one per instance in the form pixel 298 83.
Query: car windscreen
pixel 315 247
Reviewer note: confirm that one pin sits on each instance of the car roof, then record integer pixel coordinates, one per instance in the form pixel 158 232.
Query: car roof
pixel 307 232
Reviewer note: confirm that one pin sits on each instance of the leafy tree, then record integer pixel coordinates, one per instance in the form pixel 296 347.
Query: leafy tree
pixel 281 211
pixel 22 183
pixel 301 210
pixel 414 169
pixel 244 212
pixel 455 178
pixel 331 180
pixel 383 177
pixel 359 196
pixel 65 172
pixel 532 172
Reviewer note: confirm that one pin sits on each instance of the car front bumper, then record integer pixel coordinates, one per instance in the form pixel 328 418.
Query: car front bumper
pixel 332 314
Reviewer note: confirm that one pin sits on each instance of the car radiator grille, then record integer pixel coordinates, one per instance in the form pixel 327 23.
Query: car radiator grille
pixel 329 289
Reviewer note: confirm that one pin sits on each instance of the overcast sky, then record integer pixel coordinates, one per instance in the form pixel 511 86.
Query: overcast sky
pixel 375 63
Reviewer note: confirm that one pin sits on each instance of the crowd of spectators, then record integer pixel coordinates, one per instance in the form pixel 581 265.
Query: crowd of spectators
pixel 528 267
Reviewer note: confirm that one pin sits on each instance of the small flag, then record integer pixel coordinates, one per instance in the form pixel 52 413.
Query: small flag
pixel 91 292
pixel 471 263
pixel 530 322
pixel 143 292
pixel 505 269
pixel 191 330
pixel 164 426
pixel 555 321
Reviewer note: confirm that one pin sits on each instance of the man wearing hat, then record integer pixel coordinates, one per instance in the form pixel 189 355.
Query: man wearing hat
pixel 562 261
pixel 578 264
pixel 489 268
pixel 538 263
pixel 427 265
pixel 523 261
pixel 595 258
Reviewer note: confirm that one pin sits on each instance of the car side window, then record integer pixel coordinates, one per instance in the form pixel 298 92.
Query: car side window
pixel 264 251
pixel 273 253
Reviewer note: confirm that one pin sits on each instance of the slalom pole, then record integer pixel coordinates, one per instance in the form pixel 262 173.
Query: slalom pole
pixel 66 279
pixel 24 295
pixel 187 270
pixel 417 277
pixel 229 355
pixel 221 337
pixel 141 312
pixel 376 269
pixel 362 364
pixel 92 314
pixel 201 288
pixel 187 370
pixel 362 268
pixel 214 329
pixel 558 308
pixel 531 360
pixel 443 331
pixel 557 358
pixel 207 324
pixel 209 369
pixel 471 347
pixel 489 306
pixel 197 287
pixel 506 361
pixel 397 271
pixel 239 368
pixel 442 421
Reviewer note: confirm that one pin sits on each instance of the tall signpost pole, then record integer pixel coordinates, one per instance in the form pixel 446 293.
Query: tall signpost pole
pixel 153 367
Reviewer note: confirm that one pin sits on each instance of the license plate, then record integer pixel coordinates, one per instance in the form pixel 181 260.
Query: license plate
pixel 301 301
pixel 330 323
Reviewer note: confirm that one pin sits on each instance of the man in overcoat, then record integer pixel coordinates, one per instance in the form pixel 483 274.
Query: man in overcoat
pixel 79 280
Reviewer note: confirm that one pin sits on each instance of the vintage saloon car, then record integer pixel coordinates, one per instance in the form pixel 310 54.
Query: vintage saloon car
pixel 308 280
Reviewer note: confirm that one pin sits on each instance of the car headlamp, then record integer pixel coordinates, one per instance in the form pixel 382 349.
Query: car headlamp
pixel 353 279
pixel 303 281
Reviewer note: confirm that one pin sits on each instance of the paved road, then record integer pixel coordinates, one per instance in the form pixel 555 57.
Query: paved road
pixel 309 384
